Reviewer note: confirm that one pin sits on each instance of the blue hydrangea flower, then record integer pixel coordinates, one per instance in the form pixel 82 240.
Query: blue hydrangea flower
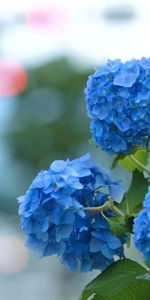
pixel 55 222
pixel 118 102
pixel 142 228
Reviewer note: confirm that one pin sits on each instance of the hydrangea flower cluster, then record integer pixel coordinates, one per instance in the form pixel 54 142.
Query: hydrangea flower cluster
pixel 54 219
pixel 142 228
pixel 118 102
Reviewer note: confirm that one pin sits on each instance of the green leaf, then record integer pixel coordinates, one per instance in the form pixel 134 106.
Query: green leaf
pixel 144 277
pixel 118 226
pixel 97 298
pixel 128 164
pixel 141 155
pixel 116 160
pixel 119 282
pixel 133 200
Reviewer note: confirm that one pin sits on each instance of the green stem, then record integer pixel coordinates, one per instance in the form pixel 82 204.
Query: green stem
pixel 115 209
pixel 140 164
pixel 107 205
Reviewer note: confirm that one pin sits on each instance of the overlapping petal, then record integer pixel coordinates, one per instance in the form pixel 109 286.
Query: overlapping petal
pixel 55 222
pixel 118 102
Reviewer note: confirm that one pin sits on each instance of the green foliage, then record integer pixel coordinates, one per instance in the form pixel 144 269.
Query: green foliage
pixel 125 161
pixel 133 200
pixel 116 160
pixel 144 277
pixel 36 142
pixel 118 226
pixel 119 282
pixel 141 155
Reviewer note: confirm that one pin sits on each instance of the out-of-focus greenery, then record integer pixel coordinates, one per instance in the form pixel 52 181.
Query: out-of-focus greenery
pixel 56 91
pixel 49 122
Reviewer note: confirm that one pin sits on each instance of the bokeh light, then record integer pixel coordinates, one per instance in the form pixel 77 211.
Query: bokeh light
pixel 13 78
pixel 45 106
pixel 50 19
pixel 13 254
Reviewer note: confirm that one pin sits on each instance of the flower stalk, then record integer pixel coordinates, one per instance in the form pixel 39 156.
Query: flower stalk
pixel 137 162
pixel 109 204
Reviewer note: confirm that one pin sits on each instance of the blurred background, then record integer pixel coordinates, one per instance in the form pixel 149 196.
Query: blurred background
pixel 47 50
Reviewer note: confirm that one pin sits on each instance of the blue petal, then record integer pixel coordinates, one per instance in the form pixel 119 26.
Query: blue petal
pixel 56 216
pixel 118 144
pixel 54 248
pixel 63 232
pixel 112 241
pixel 71 261
pixel 68 217
pixel 107 252
pixel 85 265
pixel 58 166
pixel 75 183
pixel 116 191
pixel 95 245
